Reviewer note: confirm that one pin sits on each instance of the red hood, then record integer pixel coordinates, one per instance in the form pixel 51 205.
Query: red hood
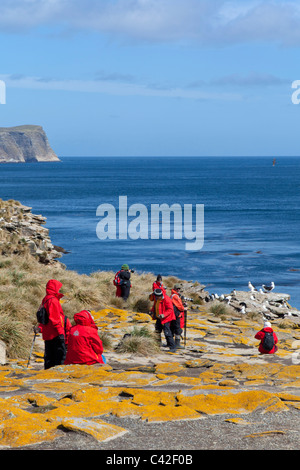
pixel 84 318
pixel 268 329
pixel 53 287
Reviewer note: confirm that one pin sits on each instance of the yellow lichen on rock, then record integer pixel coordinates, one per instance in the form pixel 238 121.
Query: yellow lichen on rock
pixel 228 383
pixel 237 421
pixel 98 429
pixel 141 317
pixel 23 428
pixel 209 376
pixel 275 405
pixel 168 368
pixel 158 413
pixel 198 363
pixel 235 403
pixel 289 372
pixel 148 397
pixel 112 313
pixel 59 388
pixel 264 433
pixel 33 399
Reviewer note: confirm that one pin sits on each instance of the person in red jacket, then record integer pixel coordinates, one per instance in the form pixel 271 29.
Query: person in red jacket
pixel 262 334
pixel 85 346
pixel 179 309
pixel 163 312
pixel 53 332
pixel 158 284
pixel 67 328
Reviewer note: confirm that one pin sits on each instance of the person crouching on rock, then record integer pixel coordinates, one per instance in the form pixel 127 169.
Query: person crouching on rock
pixel 53 332
pixel 268 339
pixel 162 311
pixel 84 346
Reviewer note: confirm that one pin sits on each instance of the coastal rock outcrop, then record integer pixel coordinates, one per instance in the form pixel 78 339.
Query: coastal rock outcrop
pixel 22 144
pixel 272 305
pixel 21 232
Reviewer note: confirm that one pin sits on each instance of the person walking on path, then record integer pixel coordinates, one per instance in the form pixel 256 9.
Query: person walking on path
pixel 268 339
pixel 177 325
pixel 85 346
pixel 162 311
pixel 53 332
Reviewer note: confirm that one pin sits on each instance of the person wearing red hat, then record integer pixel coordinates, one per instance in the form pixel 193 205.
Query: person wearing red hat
pixel 84 346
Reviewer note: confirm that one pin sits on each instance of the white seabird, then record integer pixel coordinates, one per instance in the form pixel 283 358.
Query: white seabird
pixel 268 288
pixel 242 308
pixel 251 287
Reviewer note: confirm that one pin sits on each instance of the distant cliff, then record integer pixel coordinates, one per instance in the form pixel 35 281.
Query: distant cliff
pixel 25 144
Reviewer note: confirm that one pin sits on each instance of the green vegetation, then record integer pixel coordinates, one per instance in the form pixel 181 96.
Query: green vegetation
pixel 139 341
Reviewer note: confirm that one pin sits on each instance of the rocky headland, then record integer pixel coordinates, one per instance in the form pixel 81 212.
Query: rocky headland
pixel 25 144
pixel 218 392
pixel 22 232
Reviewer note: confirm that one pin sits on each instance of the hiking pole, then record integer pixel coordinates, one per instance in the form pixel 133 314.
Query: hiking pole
pixel 31 348
pixel 185 319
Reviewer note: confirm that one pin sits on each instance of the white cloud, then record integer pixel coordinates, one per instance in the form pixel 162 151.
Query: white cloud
pixel 203 21
pixel 112 87
pixel 251 80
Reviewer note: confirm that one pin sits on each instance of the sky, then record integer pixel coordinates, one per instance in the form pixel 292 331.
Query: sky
pixel 153 77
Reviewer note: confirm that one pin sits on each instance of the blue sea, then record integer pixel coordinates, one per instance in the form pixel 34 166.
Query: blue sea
pixel 251 215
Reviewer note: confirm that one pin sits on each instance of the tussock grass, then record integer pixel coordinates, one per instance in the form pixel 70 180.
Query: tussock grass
pixel 12 333
pixel 106 339
pixel 138 345
pixel 142 305
pixel 140 341
pixel 218 309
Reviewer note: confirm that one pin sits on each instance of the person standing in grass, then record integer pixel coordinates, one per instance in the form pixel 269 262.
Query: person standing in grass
pixel 53 332
pixel 122 282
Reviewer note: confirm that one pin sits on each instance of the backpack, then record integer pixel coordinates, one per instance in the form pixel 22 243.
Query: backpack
pixel 268 341
pixel 42 314
pixel 117 279
pixel 120 280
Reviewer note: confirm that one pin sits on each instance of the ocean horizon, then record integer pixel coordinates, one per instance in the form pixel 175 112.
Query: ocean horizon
pixel 251 215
